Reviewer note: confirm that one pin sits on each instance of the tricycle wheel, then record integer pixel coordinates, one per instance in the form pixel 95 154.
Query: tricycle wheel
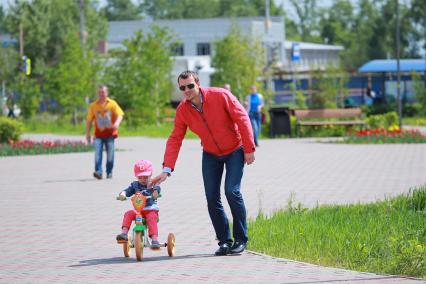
pixel 171 244
pixel 127 247
pixel 139 245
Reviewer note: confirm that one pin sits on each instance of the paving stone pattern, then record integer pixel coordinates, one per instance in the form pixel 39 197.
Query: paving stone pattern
pixel 58 224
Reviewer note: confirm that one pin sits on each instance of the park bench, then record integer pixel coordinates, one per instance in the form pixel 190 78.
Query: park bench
pixel 318 117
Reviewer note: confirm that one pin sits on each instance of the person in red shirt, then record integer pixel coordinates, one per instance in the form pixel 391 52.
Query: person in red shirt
pixel 223 126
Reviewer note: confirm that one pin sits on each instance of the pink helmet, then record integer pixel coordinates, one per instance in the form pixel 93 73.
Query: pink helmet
pixel 143 168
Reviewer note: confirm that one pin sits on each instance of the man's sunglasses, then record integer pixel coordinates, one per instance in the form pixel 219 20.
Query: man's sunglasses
pixel 189 86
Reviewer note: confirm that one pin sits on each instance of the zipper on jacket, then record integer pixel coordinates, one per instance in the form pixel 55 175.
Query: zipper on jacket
pixel 208 128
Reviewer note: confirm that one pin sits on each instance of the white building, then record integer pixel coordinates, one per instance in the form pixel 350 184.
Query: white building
pixel 198 36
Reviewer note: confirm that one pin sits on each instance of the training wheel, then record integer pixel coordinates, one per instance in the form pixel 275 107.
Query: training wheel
pixel 171 244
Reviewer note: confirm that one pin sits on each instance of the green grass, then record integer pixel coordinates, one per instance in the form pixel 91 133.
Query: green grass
pixel 56 127
pixel 384 237
pixel 414 121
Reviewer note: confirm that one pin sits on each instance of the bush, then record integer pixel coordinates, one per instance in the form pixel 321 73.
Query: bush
pixel 10 129
pixel 385 121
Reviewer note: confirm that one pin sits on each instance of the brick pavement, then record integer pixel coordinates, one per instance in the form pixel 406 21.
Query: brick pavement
pixel 59 224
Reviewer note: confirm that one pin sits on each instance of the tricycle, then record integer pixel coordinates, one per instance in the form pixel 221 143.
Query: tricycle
pixel 138 238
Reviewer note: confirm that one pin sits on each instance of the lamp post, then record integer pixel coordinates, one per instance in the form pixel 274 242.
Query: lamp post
pixel 398 71
pixel 268 48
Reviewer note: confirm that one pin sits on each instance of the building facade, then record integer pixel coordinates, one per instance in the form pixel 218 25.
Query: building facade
pixel 197 38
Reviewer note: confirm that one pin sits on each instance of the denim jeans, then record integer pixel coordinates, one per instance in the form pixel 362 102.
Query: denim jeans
pixel 99 143
pixel 213 167
pixel 256 121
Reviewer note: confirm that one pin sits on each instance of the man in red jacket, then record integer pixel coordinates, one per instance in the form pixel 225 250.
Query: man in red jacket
pixel 222 124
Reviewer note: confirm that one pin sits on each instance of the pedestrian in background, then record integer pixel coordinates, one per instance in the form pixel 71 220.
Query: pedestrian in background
pixel 10 103
pixel 254 106
pixel 107 116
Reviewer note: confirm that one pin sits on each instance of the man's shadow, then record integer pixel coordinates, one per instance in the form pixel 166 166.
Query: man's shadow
pixel 115 260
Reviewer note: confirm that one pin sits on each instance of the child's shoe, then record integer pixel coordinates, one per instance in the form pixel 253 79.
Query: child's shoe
pixel 155 244
pixel 122 237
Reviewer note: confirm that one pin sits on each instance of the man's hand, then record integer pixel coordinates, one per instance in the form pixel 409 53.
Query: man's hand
pixel 249 158
pixel 89 139
pixel 159 179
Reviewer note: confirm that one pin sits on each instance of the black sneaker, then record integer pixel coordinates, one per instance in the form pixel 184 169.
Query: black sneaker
pixel 122 237
pixel 97 175
pixel 238 247
pixel 223 249
pixel 109 175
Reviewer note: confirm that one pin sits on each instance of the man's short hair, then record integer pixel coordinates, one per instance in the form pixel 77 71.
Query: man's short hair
pixel 186 74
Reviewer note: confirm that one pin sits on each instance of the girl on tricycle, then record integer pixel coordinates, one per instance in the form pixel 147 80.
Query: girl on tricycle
pixel 145 214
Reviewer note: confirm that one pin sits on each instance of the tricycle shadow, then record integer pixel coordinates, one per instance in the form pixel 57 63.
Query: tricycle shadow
pixel 116 260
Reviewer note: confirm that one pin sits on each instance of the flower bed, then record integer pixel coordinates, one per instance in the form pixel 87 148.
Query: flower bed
pixel 382 136
pixel 29 147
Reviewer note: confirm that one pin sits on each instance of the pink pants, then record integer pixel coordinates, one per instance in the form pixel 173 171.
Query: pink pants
pixel 151 217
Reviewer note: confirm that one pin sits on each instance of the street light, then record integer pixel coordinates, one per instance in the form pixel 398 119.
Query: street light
pixel 398 72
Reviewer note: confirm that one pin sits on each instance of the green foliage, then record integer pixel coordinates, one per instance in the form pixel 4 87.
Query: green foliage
pixel 385 121
pixel 420 90
pixel 47 23
pixel 299 101
pixel 51 124
pixel 383 237
pixel 238 60
pixel 28 91
pixel 307 24
pixel 9 59
pixel 2 17
pixel 328 88
pixel 325 130
pixel 366 30
pixel 73 79
pixel 10 129
pixel 140 78
pixel 169 9
pixel 121 10
pixel 416 121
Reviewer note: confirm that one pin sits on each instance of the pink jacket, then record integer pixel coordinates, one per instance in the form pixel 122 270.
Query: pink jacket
pixel 223 125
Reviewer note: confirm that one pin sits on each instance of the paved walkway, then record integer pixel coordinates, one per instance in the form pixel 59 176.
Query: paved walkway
pixel 59 224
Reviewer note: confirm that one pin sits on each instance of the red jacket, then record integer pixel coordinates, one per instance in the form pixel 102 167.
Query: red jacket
pixel 223 125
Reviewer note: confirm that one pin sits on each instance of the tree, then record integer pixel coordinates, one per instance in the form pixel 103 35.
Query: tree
pixel 46 23
pixel 73 79
pixel 328 88
pixel 337 26
pixel 239 61
pixel 121 10
pixel 417 16
pixel 184 9
pixel 308 19
pixel 2 18
pixel 28 92
pixel 140 77
pixel 9 61
pixel 420 90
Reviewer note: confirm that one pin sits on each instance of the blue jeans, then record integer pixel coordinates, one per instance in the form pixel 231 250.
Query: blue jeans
pixel 213 167
pixel 99 144
pixel 256 122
